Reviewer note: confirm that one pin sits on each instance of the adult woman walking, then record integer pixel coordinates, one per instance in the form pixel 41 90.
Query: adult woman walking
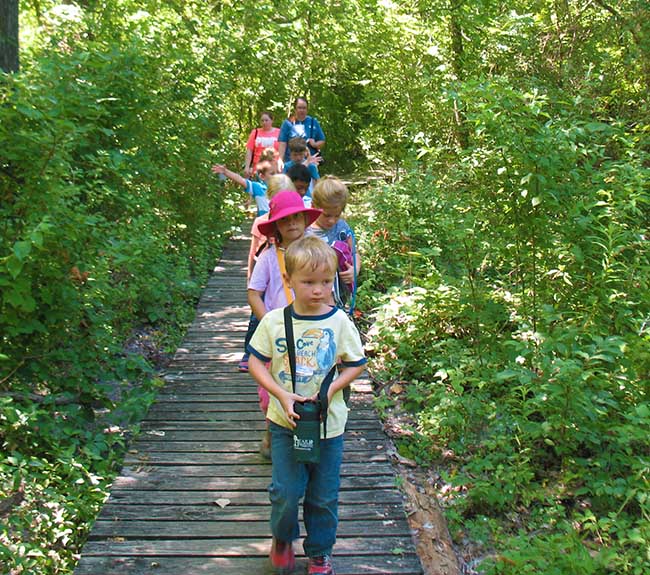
pixel 300 125
pixel 266 136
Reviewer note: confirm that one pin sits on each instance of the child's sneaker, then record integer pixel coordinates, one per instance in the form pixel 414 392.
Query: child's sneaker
pixel 320 566
pixel 243 364
pixel 282 557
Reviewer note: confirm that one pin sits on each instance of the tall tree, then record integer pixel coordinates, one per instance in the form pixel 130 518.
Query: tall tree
pixel 9 35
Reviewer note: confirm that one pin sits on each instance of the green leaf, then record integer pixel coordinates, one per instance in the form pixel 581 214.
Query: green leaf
pixel 507 374
pixel 14 266
pixel 37 238
pixel 597 127
pixel 22 301
pixel 643 410
pixel 22 249
pixel 30 112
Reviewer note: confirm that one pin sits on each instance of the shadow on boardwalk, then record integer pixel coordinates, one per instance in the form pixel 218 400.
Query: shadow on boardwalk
pixel 192 496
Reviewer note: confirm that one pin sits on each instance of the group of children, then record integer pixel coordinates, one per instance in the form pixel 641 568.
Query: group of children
pixel 292 263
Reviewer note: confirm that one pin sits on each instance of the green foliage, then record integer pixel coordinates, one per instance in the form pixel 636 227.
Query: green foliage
pixel 509 290
pixel 58 466
pixel 107 228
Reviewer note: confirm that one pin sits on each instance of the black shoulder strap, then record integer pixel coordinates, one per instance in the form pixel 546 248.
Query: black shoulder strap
pixel 264 245
pixel 291 345
pixel 254 138
pixel 322 397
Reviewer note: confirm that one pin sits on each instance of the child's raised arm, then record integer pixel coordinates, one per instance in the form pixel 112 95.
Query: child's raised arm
pixel 219 169
pixel 256 242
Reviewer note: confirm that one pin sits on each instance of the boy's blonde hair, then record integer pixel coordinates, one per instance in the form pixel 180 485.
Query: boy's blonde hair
pixel 310 253
pixel 330 191
pixel 268 155
pixel 297 145
pixel 278 182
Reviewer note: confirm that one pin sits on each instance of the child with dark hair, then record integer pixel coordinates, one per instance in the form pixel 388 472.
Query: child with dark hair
pixel 302 180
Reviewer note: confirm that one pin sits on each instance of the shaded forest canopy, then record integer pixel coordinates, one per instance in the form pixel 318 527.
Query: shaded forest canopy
pixel 505 277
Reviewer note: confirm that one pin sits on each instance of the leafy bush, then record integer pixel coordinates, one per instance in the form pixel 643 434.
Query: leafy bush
pixel 108 230
pixel 509 294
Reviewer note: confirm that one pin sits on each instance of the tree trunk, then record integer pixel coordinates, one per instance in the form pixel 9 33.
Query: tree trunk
pixel 457 53
pixel 9 35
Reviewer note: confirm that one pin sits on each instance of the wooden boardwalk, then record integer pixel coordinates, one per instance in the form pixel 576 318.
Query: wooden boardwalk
pixel 192 496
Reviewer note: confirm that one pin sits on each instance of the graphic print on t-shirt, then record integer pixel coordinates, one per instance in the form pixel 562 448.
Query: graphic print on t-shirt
pixel 315 355
pixel 265 142
pixel 299 130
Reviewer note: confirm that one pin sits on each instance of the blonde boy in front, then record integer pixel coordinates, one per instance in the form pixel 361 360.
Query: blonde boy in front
pixel 323 335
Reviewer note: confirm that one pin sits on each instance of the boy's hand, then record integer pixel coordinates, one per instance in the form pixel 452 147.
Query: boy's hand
pixel 288 400
pixel 347 276
pixel 218 169
pixel 315 159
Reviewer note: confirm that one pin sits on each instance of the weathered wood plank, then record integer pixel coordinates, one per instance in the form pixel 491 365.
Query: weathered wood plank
pixel 239 424
pixel 247 547
pixel 220 446
pixel 206 407
pixel 396 564
pixel 239 498
pixel 222 529
pixel 244 434
pixel 148 481
pixel 246 458
pixel 168 414
pixel 213 512
pixel 355 469
pixel 247 445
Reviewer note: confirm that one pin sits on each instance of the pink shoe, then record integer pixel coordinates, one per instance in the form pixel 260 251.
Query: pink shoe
pixel 320 566
pixel 282 556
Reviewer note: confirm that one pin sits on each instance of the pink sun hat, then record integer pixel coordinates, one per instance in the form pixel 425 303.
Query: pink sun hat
pixel 286 203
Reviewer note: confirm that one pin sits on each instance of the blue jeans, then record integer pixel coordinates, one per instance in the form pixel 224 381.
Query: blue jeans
pixel 317 482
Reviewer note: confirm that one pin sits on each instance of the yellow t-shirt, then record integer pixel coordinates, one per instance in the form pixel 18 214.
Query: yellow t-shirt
pixel 320 341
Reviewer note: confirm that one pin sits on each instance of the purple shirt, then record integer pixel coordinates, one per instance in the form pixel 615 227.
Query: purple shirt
pixel 267 278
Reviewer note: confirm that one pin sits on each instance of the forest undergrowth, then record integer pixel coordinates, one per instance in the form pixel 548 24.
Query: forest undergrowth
pixel 106 239
pixel 506 294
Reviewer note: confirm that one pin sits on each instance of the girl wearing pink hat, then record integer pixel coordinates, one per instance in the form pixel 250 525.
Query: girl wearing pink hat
pixel 267 287
pixel 288 220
